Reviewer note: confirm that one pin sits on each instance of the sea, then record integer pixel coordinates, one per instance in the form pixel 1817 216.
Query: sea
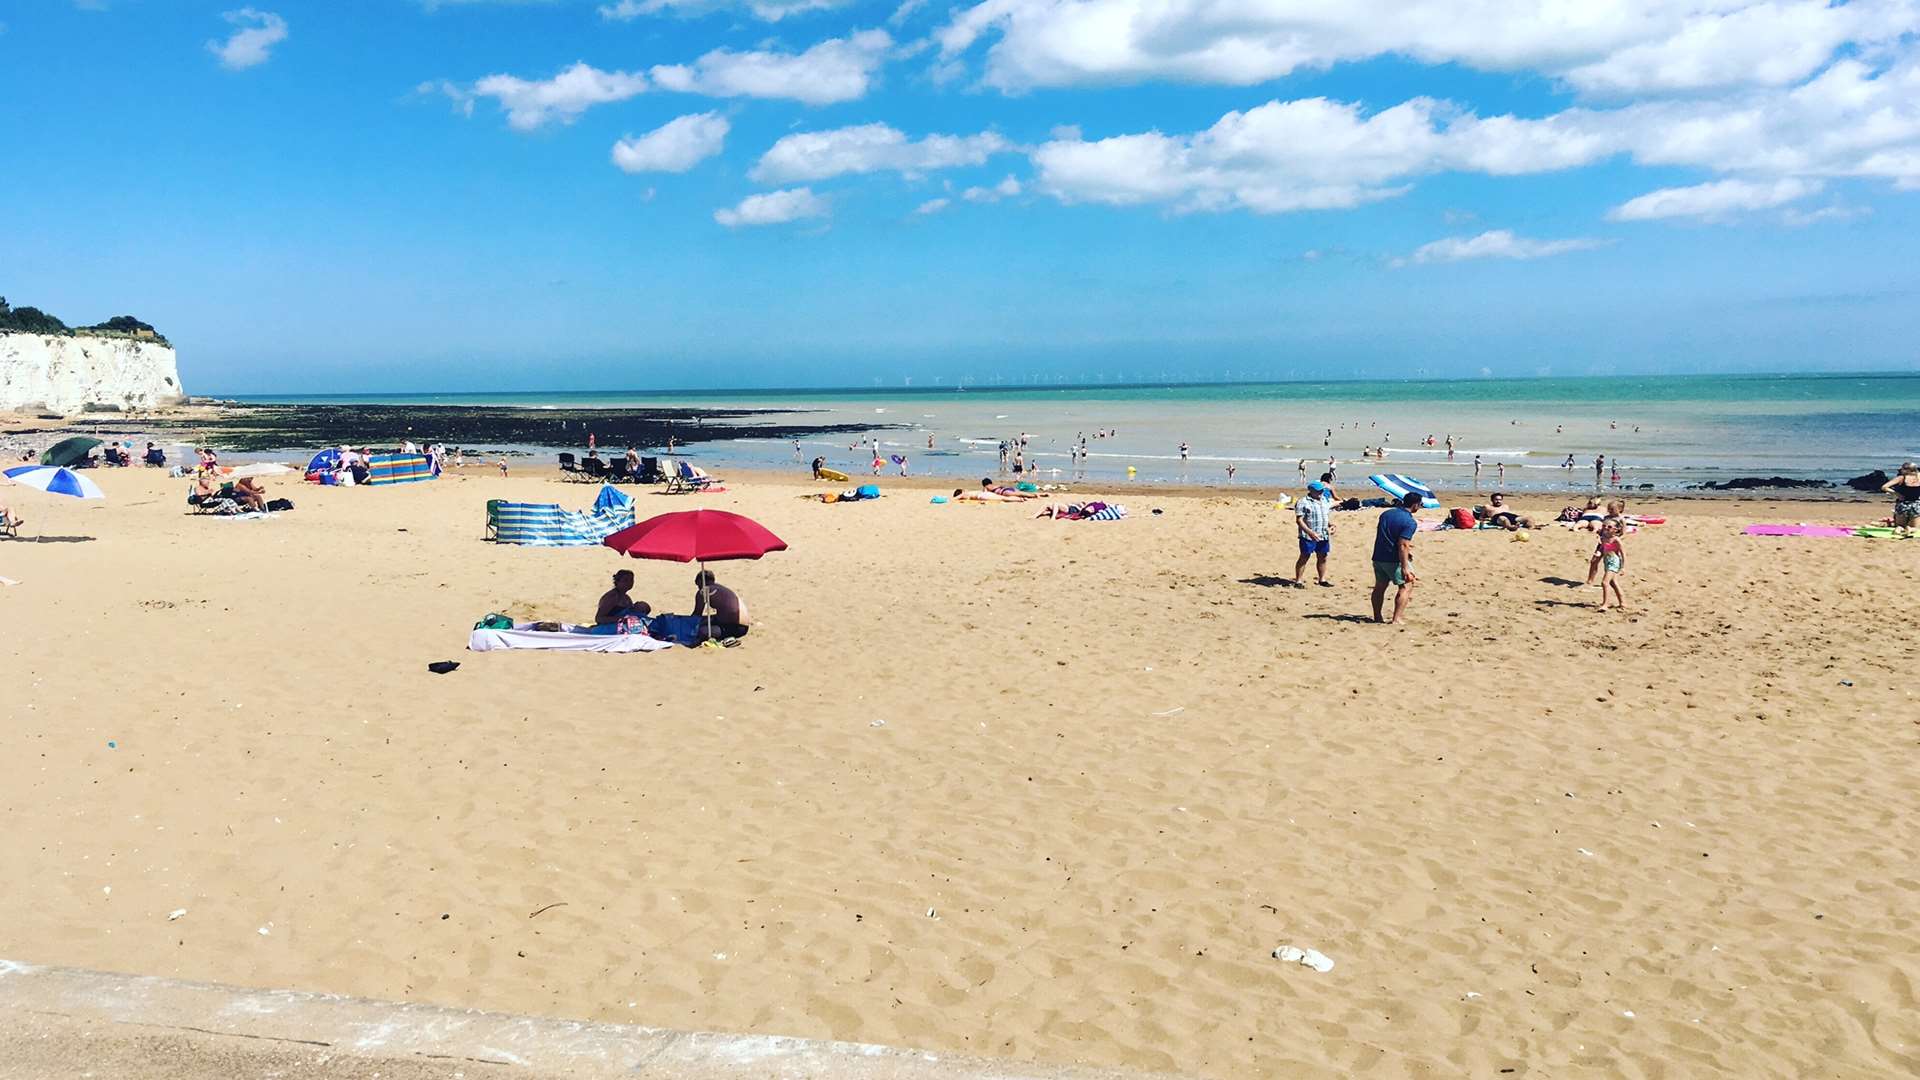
pixel 1669 431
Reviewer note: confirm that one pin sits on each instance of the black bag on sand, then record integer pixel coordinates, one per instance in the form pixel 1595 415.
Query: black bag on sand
pixel 280 504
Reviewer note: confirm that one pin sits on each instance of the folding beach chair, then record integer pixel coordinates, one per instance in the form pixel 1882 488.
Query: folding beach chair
pixel 650 471
pixel 493 519
pixel 593 469
pixel 568 469
pixel 686 478
pixel 617 471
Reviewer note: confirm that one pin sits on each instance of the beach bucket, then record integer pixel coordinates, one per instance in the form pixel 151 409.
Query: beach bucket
pixel 1520 536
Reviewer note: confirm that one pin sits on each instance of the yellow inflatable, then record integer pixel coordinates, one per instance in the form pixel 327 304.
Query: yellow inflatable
pixel 834 475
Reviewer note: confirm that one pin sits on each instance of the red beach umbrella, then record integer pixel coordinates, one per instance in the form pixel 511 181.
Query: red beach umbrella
pixel 696 536
pixel 701 536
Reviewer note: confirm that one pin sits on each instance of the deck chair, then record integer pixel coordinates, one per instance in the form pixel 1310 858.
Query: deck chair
pixel 493 520
pixel 10 529
pixel 568 469
pixel 212 504
pixel 687 478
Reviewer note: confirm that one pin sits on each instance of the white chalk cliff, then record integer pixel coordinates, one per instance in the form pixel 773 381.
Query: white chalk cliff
pixel 67 373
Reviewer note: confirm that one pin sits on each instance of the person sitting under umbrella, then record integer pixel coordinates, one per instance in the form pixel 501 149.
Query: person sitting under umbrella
pixel 8 520
pixel 617 603
pixel 725 612
pixel 250 493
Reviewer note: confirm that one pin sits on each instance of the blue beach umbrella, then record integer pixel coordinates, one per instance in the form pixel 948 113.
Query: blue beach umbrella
pixel 55 481
pixel 1397 486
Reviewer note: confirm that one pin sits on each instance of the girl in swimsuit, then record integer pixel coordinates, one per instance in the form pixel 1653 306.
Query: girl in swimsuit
pixel 1613 560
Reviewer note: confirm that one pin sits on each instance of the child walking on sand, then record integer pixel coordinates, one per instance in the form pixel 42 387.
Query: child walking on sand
pixel 1613 561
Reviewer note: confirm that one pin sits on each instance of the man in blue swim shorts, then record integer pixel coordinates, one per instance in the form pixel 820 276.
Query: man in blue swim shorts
pixel 1313 516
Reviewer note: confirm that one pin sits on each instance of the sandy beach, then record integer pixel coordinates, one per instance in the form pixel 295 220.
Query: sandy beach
pixel 988 784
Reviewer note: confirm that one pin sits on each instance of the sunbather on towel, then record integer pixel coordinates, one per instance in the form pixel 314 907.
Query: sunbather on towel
pixel 617 603
pixel 1500 515
pixel 983 495
pixel 729 612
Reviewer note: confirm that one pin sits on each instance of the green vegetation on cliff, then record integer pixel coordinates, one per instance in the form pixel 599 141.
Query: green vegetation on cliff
pixel 31 320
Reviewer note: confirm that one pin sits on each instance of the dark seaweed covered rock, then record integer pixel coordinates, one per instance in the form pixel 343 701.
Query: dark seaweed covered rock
pixel 1750 483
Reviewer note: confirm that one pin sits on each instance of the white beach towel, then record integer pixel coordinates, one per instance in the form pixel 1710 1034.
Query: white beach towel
pixel 572 639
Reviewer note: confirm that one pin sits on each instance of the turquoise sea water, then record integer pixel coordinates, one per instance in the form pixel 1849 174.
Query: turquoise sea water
pixel 1665 430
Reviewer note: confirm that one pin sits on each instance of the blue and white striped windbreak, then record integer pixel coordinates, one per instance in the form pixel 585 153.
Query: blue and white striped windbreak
pixel 1397 486
pixel 55 481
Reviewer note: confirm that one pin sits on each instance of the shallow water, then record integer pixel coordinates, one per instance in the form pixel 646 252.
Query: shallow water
pixel 1668 431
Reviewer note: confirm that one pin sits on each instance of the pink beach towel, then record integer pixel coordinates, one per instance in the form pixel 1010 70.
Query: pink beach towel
pixel 1798 530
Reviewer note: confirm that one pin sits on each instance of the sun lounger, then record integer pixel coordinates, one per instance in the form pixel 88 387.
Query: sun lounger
pixel 686 477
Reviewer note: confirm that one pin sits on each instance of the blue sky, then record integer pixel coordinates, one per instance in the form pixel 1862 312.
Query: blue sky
pixel 391 195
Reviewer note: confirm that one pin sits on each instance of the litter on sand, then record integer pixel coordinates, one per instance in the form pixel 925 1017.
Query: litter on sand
pixel 1175 711
pixel 175 914
pixel 1312 958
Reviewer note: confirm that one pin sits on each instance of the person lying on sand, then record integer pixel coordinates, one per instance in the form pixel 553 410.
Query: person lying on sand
pixel 1500 515
pixel 729 612
pixel 618 601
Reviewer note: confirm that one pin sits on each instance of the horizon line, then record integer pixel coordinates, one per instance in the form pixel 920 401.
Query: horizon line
pixel 268 397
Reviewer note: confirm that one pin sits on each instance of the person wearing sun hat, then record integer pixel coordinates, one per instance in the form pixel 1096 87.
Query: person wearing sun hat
pixel 1313 517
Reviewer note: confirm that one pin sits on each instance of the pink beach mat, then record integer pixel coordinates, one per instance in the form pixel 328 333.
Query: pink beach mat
pixel 1798 530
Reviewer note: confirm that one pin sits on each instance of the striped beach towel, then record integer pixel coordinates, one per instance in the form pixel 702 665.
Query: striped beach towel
pixel 1396 485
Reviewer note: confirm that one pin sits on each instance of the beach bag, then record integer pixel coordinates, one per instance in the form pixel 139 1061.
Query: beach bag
pixel 280 504
pixel 1462 518
pixel 494 621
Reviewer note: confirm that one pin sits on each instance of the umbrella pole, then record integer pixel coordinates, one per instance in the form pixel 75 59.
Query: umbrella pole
pixel 706 600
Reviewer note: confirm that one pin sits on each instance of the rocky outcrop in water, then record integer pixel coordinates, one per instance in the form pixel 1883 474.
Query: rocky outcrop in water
pixel 1872 481
pixel 74 372
pixel 1751 483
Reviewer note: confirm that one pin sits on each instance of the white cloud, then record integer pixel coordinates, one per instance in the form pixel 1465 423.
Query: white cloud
pixel 255 33
pixel 675 146
pixel 820 155
pixel 773 208
pixel 838 69
pixel 1716 201
pixel 1852 120
pixel 1608 47
pixel 1005 189
pixel 532 103
pixel 933 206
pixel 1493 244
pixel 765 10
pixel 1798 218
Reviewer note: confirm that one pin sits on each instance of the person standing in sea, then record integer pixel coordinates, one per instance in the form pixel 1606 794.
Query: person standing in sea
pixel 1476 470
pixel 1599 469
